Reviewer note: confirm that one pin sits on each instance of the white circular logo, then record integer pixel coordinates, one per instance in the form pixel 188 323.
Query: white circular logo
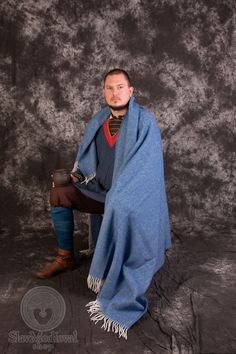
pixel 42 308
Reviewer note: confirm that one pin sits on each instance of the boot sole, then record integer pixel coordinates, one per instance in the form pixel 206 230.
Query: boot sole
pixel 47 276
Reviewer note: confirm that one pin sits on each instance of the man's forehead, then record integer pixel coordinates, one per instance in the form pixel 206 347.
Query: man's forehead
pixel 116 79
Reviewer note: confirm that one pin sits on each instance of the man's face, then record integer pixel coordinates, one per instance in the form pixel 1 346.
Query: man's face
pixel 117 91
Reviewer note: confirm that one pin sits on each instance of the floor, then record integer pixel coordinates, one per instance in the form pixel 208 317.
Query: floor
pixel 192 299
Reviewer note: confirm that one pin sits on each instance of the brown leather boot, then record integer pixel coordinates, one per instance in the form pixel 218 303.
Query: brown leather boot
pixel 64 261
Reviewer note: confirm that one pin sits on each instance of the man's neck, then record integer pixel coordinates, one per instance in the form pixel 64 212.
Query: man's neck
pixel 121 112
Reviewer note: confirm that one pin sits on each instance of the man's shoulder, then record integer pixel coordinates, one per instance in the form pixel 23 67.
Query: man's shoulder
pixel 98 118
pixel 147 117
pixel 145 111
pixel 104 111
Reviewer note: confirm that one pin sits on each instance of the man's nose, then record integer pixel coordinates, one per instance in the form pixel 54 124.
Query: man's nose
pixel 115 91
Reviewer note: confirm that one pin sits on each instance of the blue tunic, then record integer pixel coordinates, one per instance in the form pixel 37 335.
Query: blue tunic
pixel 106 159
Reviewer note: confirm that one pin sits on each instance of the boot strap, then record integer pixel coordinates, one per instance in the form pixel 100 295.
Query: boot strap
pixel 64 257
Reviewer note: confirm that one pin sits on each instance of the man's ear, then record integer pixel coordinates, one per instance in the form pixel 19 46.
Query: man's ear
pixel 131 90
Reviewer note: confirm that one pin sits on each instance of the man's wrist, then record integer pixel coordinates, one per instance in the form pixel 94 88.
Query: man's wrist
pixel 78 175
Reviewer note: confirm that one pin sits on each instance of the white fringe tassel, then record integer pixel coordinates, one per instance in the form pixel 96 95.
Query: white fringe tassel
pixel 94 284
pixel 108 324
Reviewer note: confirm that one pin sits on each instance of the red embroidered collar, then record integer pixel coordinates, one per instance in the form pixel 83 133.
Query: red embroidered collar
pixel 111 139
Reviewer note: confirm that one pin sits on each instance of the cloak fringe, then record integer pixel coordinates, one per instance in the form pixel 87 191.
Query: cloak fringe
pixel 96 315
pixel 94 284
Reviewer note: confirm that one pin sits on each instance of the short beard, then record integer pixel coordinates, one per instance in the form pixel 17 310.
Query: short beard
pixel 119 108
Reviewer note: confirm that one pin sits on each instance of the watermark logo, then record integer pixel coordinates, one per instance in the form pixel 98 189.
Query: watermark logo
pixel 42 308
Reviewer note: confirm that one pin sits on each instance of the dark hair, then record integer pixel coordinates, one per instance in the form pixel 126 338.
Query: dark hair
pixel 115 72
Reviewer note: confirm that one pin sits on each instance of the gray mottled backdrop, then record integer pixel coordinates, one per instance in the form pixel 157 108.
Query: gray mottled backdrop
pixel 181 55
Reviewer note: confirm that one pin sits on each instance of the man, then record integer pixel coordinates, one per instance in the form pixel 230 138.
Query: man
pixel 121 174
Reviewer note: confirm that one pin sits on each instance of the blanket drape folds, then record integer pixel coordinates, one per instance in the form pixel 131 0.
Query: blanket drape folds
pixel 135 232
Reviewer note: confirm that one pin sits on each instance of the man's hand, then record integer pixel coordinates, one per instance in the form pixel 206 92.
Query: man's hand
pixel 74 179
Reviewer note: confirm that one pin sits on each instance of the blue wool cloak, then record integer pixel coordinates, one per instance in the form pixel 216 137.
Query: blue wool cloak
pixel 135 231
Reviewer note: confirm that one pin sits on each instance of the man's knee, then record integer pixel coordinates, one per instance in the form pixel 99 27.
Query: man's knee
pixel 63 196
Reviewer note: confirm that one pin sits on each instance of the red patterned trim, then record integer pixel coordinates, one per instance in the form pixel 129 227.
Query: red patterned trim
pixel 111 139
